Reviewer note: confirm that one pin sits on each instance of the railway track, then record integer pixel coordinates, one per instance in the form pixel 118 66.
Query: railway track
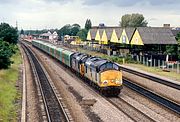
pixel 153 78
pixel 131 111
pixel 55 112
pixel 153 96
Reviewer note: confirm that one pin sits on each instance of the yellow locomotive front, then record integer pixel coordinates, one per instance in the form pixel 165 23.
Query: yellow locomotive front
pixel 105 74
pixel 110 79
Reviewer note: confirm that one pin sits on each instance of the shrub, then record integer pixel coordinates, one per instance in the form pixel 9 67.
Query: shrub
pixel 6 51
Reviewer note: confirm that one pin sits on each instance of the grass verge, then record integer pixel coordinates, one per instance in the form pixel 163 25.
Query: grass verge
pixel 170 75
pixel 8 91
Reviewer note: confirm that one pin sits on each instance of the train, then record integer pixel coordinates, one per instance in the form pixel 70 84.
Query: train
pixel 102 74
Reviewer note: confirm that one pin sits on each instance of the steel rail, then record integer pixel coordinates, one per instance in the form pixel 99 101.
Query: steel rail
pixel 153 96
pixel 153 78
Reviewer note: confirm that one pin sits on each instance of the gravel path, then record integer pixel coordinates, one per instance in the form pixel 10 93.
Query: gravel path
pixel 32 98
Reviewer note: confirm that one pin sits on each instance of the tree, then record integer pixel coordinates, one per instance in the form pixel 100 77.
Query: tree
pixel 171 49
pixel 82 34
pixel 22 32
pixel 178 41
pixel 65 30
pixel 133 20
pixel 178 36
pixel 6 51
pixel 8 33
pixel 75 29
pixel 178 49
pixel 88 24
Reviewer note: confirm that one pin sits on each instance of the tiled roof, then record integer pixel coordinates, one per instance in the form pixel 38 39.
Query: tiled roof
pixel 101 32
pixel 118 32
pixel 156 35
pixel 93 33
pixel 129 32
pixel 109 33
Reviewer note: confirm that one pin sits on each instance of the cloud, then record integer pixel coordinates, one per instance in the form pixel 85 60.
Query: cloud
pixel 93 2
pixel 22 1
pixel 163 2
pixel 58 1
pixel 9 1
pixel 39 14
pixel 126 3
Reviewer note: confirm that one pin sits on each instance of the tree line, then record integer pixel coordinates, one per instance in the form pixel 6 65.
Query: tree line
pixel 8 40
pixel 75 30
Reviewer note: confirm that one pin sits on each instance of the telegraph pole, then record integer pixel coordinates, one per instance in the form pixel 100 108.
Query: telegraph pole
pixel 16 24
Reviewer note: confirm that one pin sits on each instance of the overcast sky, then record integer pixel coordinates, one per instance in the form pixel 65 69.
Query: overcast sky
pixel 40 14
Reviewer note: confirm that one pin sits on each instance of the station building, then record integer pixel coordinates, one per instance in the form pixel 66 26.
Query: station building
pixel 140 40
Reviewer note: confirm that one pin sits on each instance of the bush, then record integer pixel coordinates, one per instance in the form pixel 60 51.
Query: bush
pixel 8 33
pixel 129 59
pixel 6 51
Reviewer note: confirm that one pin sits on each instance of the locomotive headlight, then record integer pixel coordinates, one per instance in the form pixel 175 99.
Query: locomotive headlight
pixel 105 82
pixel 118 81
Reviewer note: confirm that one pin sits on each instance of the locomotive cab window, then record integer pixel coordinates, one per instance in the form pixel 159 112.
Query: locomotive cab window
pixel 108 66
pixel 102 67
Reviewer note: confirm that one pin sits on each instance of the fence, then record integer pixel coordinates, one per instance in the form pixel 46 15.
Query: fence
pixel 166 66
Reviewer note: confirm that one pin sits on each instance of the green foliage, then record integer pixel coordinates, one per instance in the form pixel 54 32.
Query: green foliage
pixel 75 29
pixel 178 36
pixel 22 31
pixel 133 20
pixel 178 49
pixel 171 49
pixel 119 60
pixel 129 59
pixel 30 32
pixel 82 34
pixel 88 24
pixel 6 51
pixel 8 33
pixel 65 30
pixel 69 30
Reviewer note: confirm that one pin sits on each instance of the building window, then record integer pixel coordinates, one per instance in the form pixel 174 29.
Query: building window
pixel 123 39
pixel 136 42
